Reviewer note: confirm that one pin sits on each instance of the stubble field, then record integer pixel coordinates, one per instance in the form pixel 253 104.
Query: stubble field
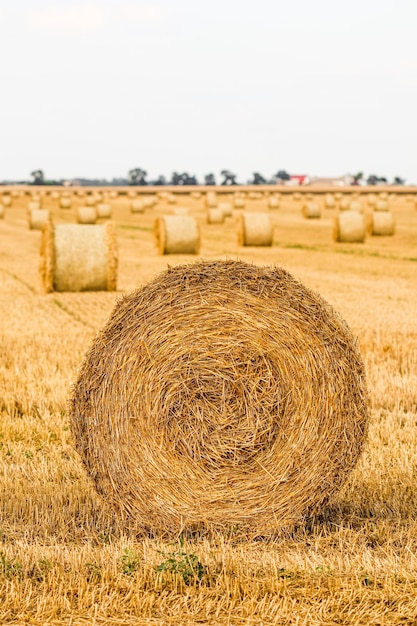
pixel 63 558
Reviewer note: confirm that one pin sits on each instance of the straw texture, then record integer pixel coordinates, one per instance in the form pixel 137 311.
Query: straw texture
pixel 75 257
pixel 177 234
pixel 254 229
pixel 221 395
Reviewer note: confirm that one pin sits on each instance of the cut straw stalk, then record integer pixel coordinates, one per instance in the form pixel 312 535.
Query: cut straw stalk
pixel 254 229
pixel 75 257
pixel 175 234
pixel 220 395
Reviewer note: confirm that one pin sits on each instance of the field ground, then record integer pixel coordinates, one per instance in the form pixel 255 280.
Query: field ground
pixel 63 559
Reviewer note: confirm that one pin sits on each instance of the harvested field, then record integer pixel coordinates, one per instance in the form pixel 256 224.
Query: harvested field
pixel 63 558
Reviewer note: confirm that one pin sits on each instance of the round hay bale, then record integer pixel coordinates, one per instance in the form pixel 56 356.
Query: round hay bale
pixel 381 205
pixel 55 195
pixel 137 206
pixel 356 205
pixel 113 195
pixel 215 216
pixel 37 218
pixel 311 210
pixel 78 258
pixel 344 204
pixel 220 395
pixel 273 202
pixel 175 234
pixel 172 198
pixel 103 210
pixel 211 199
pixel 195 195
pixel 7 200
pixel 132 194
pixel 371 198
pixel 255 229
pixel 226 207
pixel 383 195
pixel 87 215
pixel 329 201
pixel 34 205
pixel 382 224
pixel 338 196
pixel 90 201
pixel 149 201
pixel 239 202
pixel 349 227
pixel 296 196
pixel 65 202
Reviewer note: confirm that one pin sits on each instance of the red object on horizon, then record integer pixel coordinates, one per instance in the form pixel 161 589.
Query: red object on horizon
pixel 301 179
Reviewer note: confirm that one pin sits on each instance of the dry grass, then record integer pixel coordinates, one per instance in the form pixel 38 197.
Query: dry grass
pixel 63 559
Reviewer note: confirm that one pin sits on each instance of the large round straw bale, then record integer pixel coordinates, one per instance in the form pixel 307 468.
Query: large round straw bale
pixel 221 395
pixel 78 258
pixel 87 215
pixel 215 216
pixel 382 223
pixel 211 199
pixel 254 229
pixel 329 201
pixel 273 202
pixel 175 234
pixel 34 205
pixel 65 202
pixel 311 210
pixel 103 210
pixel 381 205
pixel 239 202
pixel 226 207
pixel 90 200
pixel 7 200
pixel 37 218
pixel 356 205
pixel 344 203
pixel 137 206
pixel 349 227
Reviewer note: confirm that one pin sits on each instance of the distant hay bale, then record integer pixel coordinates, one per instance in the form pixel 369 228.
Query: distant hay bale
pixel 211 199
pixel 172 198
pixel 296 196
pixel 381 224
pixel 137 206
pixel 371 198
pixel 175 234
pixel 311 210
pixel 113 195
pixel 349 227
pixel 381 205
pixel 90 201
pixel 383 195
pixel 239 202
pixel 2 211
pixel 7 200
pixel 254 229
pixel 37 218
pixel 78 258
pixel 34 205
pixel 329 201
pixel 356 205
pixel 226 207
pixel 65 202
pixel 273 202
pixel 344 204
pixel 103 210
pixel 87 215
pixel 338 196
pixel 132 194
pixel 220 396
pixel 149 201
pixel 195 195
pixel 215 216
pixel 55 195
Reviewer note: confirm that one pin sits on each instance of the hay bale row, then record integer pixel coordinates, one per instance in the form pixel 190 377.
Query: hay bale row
pixel 75 257
pixel 221 395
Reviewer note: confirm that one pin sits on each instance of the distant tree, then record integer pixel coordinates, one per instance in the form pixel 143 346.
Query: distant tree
pixel 38 177
pixel 137 176
pixel 258 179
pixel 281 176
pixel 161 180
pixel 183 179
pixel 399 181
pixel 209 179
pixel 357 178
pixel 228 177
pixel 372 180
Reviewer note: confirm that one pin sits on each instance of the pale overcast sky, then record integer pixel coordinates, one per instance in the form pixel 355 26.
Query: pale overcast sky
pixel 323 87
